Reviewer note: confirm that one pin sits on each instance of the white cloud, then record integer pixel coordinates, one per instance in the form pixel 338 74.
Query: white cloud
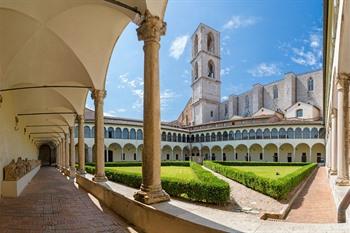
pixel 240 22
pixel 264 70
pixel 178 46
pixel 225 71
pixel 167 96
pixel 224 98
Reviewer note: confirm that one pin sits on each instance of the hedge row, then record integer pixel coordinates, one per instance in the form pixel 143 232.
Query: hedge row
pixel 276 188
pixel 253 163
pixel 207 188
pixel 135 164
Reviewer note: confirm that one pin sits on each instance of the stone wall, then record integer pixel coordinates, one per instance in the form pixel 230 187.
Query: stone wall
pixel 13 143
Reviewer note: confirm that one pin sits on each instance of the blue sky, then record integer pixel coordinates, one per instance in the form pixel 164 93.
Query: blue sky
pixel 260 41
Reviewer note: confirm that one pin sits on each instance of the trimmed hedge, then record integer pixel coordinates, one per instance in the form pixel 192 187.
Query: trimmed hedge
pixel 207 188
pixel 253 163
pixel 276 188
pixel 136 164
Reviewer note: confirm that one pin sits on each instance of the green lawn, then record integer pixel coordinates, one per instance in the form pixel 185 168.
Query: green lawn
pixel 183 173
pixel 268 171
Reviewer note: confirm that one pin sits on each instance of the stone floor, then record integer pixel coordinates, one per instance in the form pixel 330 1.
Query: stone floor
pixel 248 200
pixel 53 203
pixel 315 204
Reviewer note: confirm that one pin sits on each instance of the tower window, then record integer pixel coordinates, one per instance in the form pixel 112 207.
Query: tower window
pixel 210 42
pixel 211 113
pixel 275 92
pixel 226 109
pixel 195 45
pixel 195 71
pixel 299 113
pixel 310 84
pixel 211 69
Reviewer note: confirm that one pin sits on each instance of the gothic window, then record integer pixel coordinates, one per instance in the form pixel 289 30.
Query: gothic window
pixel 299 113
pixel 183 138
pixel 118 133
pixel 230 135
pixel 252 134
pixel 290 133
pixel 125 133
pixel 238 135
pixel 314 133
pixel 197 137
pixel 179 137
pixel 244 134
pixel 310 84
pixel 283 133
pixel 213 137
pixel 202 137
pixel 259 134
pixel 207 137
pixel 174 137
pixel 274 133
pixel 219 136
pixel 210 42
pixel 195 72
pixel 225 136
pixel 211 69
pixel 211 114
pixel 306 133
pixel 195 45
pixel 139 134
pixel 275 92
pixel 298 133
pixel 132 134
pixel 267 134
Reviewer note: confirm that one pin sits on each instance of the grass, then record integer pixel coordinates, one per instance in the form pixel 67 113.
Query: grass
pixel 268 171
pixel 183 173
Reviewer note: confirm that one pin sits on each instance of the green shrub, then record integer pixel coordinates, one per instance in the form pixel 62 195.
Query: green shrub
pixel 207 188
pixel 276 188
pixel 253 163
pixel 136 163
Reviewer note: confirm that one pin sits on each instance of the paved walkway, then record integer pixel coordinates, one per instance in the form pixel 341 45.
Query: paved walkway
pixel 51 203
pixel 315 203
pixel 248 200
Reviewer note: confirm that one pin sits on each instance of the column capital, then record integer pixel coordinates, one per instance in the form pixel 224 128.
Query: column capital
pixel 342 80
pixel 98 95
pixel 80 119
pixel 334 112
pixel 151 28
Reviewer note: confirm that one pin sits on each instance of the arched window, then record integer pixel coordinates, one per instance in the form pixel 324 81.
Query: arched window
pixel 290 133
pixel 267 134
pixel 225 136
pixel 202 137
pixel 211 69
pixel 125 133
pixel 299 113
pixel 179 137
pixel 274 133
pixel 132 134
pixel 164 136
pixel 207 137
pixel 188 138
pixel 210 42
pixel 75 132
pixel 310 84
pixel 110 132
pixel 195 45
pixel 252 134
pixel 183 138
pixel 192 138
pixel 322 133
pixel 244 134
pixel 219 136
pixel 298 133
pixel 118 133
pixel 213 137
pixel 197 137
pixel 195 71
pixel 231 135
pixel 87 132
pixel 168 137
pixel 275 92
pixel 306 133
pixel 283 133
pixel 174 137
pixel 93 132
pixel 105 132
pixel 238 135
pixel 139 134
pixel 314 133
pixel 259 134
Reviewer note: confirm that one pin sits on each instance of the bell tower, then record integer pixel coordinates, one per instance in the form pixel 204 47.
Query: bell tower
pixel 206 84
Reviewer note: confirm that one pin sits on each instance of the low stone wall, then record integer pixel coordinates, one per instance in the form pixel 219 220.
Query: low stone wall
pixel 145 217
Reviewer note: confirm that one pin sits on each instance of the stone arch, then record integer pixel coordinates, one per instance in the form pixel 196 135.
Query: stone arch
pixel 94 153
pixel 177 153
pixel 216 153
pixel 129 152
pixel 256 152
pixel 167 153
pixel 286 151
pixel 211 69
pixel 302 153
pixel 206 153
pixel 195 151
pixel 271 152
pixel 318 153
pixel 87 132
pixel 210 42
pixel 195 45
pixel 186 153
pixel 139 152
pixel 228 153
pixel 116 150
pixel 241 152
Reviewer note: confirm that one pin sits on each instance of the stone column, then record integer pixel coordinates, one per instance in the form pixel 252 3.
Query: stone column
pixel 343 174
pixel 58 156
pixel 66 152
pixel 81 144
pixel 150 30
pixel 334 155
pixel 62 153
pixel 72 152
pixel 98 96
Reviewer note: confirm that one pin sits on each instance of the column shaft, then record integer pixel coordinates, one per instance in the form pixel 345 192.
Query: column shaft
pixel 81 144
pixel 334 155
pixel 72 152
pixel 67 152
pixel 151 190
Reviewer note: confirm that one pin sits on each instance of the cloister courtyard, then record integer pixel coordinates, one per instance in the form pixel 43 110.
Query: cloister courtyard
pixel 174 116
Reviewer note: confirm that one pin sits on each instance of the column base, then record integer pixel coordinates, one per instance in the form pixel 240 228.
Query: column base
pixel 100 179
pixel 342 182
pixel 81 172
pixel 151 197
pixel 332 172
pixel 72 172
